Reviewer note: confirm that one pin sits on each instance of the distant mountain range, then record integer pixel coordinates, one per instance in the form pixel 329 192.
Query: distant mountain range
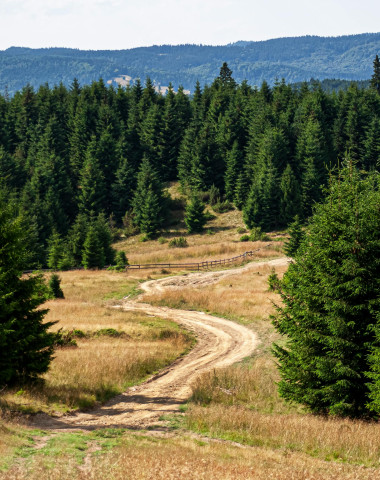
pixel 295 59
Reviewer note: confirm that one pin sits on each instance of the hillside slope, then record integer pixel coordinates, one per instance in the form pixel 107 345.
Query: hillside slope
pixel 294 58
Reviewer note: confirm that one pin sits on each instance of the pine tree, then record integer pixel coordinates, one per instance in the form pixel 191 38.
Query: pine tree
pixel 92 183
pixel 93 252
pixel 105 238
pixel 331 302
pixel 296 235
pixel 123 188
pixel 76 238
pixel 56 251
pixel 55 286
pixel 290 197
pixel 151 213
pixel 171 136
pixel 195 218
pixel 371 155
pixel 375 79
pixel 121 260
pixel 148 200
pixel 26 346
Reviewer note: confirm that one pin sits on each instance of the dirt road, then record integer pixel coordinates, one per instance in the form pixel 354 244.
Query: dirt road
pixel 220 342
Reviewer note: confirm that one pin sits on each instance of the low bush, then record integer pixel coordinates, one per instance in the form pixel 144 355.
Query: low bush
pixel 179 242
pixel 245 238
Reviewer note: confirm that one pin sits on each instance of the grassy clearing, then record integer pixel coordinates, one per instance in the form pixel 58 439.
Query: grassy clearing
pixel 102 364
pixel 220 239
pixel 137 457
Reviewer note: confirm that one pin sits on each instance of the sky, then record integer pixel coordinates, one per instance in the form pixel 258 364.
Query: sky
pixel 121 24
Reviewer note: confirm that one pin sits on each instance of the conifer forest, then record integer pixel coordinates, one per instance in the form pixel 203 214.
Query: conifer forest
pixel 78 160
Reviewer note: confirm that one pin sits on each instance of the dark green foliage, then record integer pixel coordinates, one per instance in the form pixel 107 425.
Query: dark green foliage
pixel 148 201
pixel 55 286
pixel 244 238
pixel 121 260
pixel 26 346
pixel 93 251
pixel 330 296
pixel 194 216
pixel 375 79
pixel 290 196
pixel 274 284
pixel 92 195
pixel 296 235
pixel 104 235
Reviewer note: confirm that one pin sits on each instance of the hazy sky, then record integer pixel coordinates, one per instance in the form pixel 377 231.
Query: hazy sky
pixel 119 24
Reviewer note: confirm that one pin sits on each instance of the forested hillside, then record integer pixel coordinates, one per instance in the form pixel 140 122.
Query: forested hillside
pixel 294 59
pixel 80 160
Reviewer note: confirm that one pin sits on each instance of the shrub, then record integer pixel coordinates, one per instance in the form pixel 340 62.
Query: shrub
pixel 256 235
pixel 244 238
pixel 214 195
pixel 121 261
pixel 162 240
pixel 274 282
pixel 179 242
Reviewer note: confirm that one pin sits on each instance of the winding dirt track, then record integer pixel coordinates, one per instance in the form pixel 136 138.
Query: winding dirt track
pixel 220 342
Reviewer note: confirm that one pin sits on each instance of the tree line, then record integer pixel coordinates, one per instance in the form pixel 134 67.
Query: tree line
pixel 80 160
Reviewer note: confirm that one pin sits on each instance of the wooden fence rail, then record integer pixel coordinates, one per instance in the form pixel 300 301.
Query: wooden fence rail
pixel 195 265
pixel 207 264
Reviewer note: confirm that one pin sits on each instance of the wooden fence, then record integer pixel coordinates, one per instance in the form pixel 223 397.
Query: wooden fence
pixel 196 265
pixel 192 266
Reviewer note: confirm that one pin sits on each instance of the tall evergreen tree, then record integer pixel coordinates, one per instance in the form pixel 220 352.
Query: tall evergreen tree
pixel 93 251
pixel 290 197
pixel 195 218
pixel 92 184
pixel 148 201
pixel 331 302
pixel 26 346
pixel 123 189
pixel 375 79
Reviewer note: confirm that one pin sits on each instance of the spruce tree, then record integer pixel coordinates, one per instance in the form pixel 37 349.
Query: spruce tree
pixel 55 286
pixel 234 165
pixel 123 188
pixel 296 235
pixel 330 296
pixel 290 197
pixel 105 238
pixel 93 251
pixel 56 250
pixel 93 193
pixel 26 346
pixel 375 79
pixel 148 201
pixel 195 218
